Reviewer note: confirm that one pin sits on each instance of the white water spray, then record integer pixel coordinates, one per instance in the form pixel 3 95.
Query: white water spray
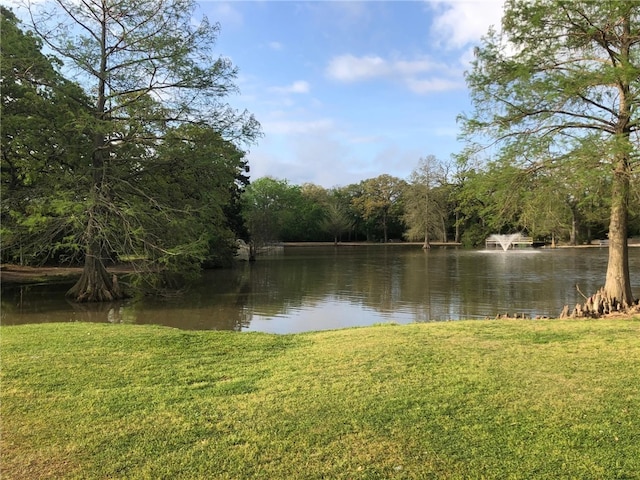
pixel 505 241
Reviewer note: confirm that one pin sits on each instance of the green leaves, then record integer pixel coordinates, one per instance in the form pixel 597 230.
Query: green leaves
pixel 380 201
pixel 557 66
pixel 42 143
pixel 425 201
pixel 149 165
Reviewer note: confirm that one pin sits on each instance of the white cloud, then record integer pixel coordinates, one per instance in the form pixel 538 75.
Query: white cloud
pixel 275 45
pixel 299 86
pixel 413 67
pixel 395 159
pixel 353 11
pixel 434 85
pixel 226 14
pixel 287 127
pixel 319 158
pixel 459 23
pixel 351 69
pixel 365 139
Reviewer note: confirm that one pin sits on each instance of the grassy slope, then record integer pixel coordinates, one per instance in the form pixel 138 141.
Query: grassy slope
pixel 480 399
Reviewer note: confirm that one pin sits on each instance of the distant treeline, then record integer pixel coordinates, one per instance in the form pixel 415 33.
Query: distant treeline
pixel 434 204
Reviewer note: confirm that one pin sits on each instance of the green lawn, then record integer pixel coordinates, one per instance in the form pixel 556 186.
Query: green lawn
pixel 476 399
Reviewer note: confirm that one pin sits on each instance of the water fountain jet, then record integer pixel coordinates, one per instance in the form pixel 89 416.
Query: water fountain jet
pixel 504 240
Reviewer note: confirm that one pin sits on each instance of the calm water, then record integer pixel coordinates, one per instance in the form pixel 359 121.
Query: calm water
pixel 309 288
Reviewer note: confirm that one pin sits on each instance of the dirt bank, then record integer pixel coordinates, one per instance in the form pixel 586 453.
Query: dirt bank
pixel 10 274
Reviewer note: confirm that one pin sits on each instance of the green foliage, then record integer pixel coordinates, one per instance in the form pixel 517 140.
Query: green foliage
pixel 173 201
pixel 266 208
pixel 345 199
pixel 381 202
pixel 275 211
pixel 44 147
pixel 313 210
pixel 149 166
pixel 425 201
pixel 551 205
pixel 336 222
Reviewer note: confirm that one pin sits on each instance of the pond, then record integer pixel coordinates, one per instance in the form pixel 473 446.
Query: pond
pixel 318 288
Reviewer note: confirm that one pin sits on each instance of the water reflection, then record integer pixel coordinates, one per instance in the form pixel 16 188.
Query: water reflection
pixel 310 288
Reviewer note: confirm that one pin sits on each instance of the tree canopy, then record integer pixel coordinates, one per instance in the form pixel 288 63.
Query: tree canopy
pixel 44 142
pixel 425 201
pixel 380 201
pixel 153 160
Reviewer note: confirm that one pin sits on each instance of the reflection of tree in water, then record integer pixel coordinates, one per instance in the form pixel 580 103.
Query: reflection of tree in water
pixel 379 280
pixel 277 285
pixel 430 297
pixel 100 312
pixel 434 285
pixel 213 303
pixel 305 277
pixel 227 299
pixel 44 303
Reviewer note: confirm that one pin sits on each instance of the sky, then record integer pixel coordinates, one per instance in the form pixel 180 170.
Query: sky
pixel 349 90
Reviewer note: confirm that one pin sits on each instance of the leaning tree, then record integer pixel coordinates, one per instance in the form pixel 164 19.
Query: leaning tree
pixel 149 68
pixel 560 86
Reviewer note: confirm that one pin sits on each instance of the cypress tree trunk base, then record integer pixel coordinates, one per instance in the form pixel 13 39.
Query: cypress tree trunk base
pixel 95 284
pixel 600 304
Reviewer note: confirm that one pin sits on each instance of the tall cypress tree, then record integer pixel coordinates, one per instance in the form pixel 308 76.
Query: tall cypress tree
pixel 560 85
pixel 150 71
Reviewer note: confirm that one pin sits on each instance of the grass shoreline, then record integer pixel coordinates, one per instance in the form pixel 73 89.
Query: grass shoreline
pixel 469 399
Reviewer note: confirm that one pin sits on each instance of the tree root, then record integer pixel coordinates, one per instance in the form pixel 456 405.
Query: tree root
pixel 600 305
pixel 518 316
pixel 95 285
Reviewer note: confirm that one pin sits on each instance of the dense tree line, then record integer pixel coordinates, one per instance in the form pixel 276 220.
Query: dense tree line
pixel 432 206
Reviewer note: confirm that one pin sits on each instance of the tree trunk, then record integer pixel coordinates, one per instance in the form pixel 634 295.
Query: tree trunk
pixel 426 244
pixel 573 239
pixel 95 284
pixel 618 283
pixel 617 286
pixel 616 295
pixel 384 227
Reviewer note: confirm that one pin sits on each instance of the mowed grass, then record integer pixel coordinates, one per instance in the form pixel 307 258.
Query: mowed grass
pixel 479 399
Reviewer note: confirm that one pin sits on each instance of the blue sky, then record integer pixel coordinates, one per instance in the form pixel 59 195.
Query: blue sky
pixel 347 91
